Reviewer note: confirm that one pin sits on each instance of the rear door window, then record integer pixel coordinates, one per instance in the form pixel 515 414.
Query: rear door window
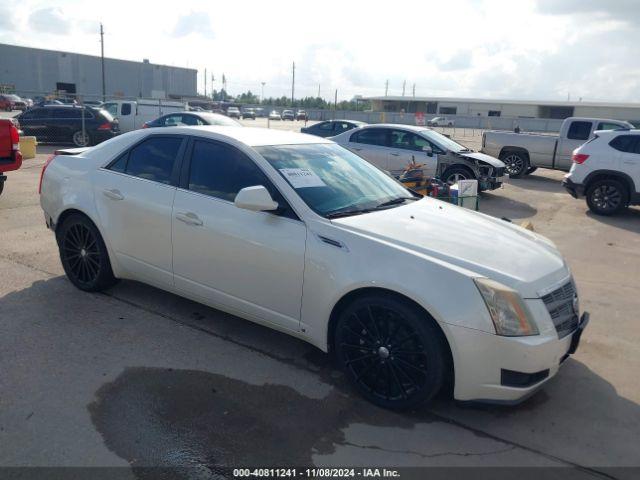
pixel 371 136
pixel 325 127
pixel 126 109
pixel 608 126
pixel 153 159
pixel 626 143
pixel 579 131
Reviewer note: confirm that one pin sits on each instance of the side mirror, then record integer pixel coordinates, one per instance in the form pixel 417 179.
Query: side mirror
pixel 256 199
pixel 428 150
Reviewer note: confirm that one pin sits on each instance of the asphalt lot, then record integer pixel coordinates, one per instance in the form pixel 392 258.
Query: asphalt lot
pixel 140 377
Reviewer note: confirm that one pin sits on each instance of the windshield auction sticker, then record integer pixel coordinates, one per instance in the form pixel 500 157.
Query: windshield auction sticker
pixel 302 177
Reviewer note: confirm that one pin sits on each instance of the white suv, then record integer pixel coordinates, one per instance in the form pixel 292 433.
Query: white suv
pixel 606 170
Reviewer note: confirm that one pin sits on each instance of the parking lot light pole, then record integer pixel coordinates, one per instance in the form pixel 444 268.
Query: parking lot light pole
pixel 104 93
pixel 262 93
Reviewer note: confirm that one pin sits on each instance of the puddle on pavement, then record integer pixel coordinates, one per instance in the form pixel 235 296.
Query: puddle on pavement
pixel 198 422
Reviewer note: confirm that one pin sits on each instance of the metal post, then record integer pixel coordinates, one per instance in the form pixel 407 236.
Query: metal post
pixel 262 94
pixel 205 82
pixel 293 81
pixel 335 104
pixel 104 89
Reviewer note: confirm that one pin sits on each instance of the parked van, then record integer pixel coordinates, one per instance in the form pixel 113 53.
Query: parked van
pixel 132 114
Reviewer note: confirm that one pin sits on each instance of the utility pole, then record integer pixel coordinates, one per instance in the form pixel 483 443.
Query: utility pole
pixel 404 84
pixel 104 88
pixel 293 81
pixel 262 93
pixel 213 79
pixel 386 88
pixel 414 89
pixel 335 101
pixel 318 91
pixel 205 82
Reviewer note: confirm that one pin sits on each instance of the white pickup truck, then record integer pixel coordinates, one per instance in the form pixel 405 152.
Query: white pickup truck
pixel 522 153
pixel 132 114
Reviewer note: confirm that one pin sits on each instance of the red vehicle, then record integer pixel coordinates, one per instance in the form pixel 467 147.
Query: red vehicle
pixel 10 156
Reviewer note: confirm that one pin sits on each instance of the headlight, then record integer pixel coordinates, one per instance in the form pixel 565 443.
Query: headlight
pixel 508 312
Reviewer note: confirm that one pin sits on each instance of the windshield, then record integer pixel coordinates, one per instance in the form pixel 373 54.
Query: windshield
pixel 442 141
pixel 331 179
pixel 112 108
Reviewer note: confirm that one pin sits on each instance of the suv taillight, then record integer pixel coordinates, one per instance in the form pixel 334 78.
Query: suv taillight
pixel 579 158
pixel 44 167
pixel 105 126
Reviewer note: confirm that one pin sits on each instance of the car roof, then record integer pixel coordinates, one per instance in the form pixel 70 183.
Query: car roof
pixel 413 128
pixel 355 122
pixel 253 136
pixel 617 131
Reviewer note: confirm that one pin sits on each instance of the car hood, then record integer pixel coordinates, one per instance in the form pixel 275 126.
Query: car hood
pixel 477 243
pixel 483 157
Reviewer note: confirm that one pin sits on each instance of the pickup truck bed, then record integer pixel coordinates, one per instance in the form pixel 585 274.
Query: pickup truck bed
pixel 524 152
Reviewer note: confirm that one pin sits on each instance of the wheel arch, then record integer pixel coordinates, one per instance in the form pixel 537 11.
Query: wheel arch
pixel 352 295
pixel 611 174
pixel 463 166
pixel 73 210
pixel 513 149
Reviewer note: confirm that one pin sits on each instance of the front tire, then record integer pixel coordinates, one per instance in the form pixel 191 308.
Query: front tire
pixel 516 163
pixel 453 174
pixel 607 197
pixel 392 352
pixel 84 255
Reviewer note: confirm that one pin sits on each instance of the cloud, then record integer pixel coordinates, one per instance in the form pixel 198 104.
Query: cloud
pixel 7 21
pixel 458 61
pixel 197 23
pixel 50 20
pixel 621 10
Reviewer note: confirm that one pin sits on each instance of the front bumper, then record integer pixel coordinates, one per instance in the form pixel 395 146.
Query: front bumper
pixel 490 183
pixel 576 190
pixel 496 369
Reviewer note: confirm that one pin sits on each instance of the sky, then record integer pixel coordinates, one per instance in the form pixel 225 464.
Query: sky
pixel 524 49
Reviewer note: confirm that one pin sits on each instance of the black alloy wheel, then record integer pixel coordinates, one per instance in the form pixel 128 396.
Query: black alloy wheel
pixel 606 197
pixel 84 255
pixel 390 351
pixel 516 164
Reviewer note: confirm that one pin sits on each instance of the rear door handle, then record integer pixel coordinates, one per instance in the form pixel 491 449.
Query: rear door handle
pixel 189 218
pixel 395 154
pixel 113 194
pixel 357 149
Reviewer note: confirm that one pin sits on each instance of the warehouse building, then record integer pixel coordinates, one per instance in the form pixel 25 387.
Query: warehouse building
pixel 471 107
pixel 31 71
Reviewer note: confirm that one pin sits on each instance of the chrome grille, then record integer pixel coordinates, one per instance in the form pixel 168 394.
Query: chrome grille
pixel 559 304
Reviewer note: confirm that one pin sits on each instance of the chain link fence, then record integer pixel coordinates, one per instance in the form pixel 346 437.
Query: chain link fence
pixel 62 118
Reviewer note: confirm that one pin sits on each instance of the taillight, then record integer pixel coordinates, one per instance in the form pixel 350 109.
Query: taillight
pixel 144 125
pixel 44 167
pixel 579 158
pixel 15 137
pixel 105 126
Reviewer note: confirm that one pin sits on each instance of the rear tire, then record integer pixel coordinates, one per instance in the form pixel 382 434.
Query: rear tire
pixel 393 353
pixel 84 255
pixel 607 197
pixel 516 163
pixel 80 140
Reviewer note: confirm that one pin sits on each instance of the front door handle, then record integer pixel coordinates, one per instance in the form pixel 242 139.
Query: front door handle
pixel 357 149
pixel 189 218
pixel 395 154
pixel 113 194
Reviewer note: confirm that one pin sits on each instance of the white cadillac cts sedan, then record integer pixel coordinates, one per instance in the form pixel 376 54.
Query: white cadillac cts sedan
pixel 297 233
